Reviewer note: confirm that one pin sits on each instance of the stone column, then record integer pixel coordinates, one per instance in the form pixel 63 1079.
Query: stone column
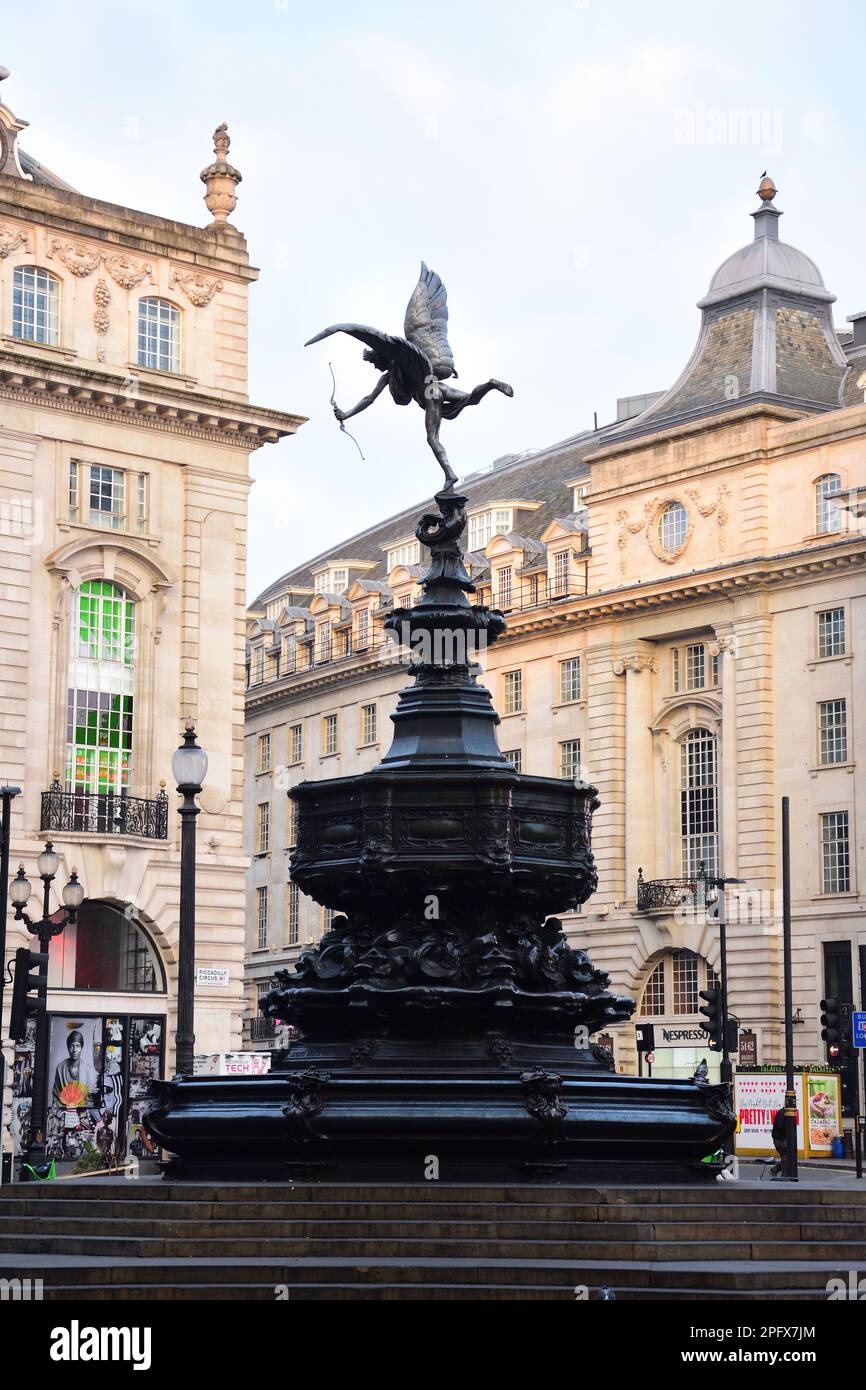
pixel 725 647
pixel 637 665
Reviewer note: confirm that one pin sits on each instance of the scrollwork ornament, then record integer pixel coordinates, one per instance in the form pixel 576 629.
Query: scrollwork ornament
pixel 79 260
pixel 11 239
pixel 126 272
pixel 198 289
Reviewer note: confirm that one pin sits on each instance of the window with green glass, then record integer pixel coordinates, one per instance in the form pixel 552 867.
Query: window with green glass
pixel 101 684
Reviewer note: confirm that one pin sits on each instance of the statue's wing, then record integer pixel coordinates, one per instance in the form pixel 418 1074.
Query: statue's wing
pixel 409 357
pixel 426 323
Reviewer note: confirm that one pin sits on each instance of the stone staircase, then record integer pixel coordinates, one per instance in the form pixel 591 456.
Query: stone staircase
pixel 147 1239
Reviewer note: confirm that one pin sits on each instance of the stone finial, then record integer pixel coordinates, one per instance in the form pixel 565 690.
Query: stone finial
pixel 221 180
pixel 10 128
pixel 766 190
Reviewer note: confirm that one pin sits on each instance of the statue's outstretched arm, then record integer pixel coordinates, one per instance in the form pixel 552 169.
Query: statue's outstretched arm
pixel 364 402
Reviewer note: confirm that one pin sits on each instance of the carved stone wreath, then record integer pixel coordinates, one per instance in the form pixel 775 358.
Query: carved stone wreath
pixel 197 288
pixel 82 261
pixel 654 508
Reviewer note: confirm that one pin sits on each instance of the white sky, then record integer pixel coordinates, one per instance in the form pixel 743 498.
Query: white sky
pixel 574 169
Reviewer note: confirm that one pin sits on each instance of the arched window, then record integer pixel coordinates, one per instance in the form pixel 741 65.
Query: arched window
pixel 158 335
pixel 671 990
pixel 673 527
pixel 699 803
pixel 828 514
pixel 653 1001
pixel 35 305
pixel 101 682
pixel 112 952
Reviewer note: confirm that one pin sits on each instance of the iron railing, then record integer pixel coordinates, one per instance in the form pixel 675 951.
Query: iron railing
pixel 261 1029
pixel 667 894
pixel 104 813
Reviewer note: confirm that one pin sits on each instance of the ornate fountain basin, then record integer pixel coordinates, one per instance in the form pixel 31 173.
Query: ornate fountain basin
pixel 494 836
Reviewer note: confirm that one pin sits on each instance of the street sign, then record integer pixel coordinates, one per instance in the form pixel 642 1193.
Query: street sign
pixel 858 1021
pixel 650 1057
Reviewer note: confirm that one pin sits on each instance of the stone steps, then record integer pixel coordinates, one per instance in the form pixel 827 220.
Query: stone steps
pixel 332 1229
pixel 145 1240
pixel 851 1254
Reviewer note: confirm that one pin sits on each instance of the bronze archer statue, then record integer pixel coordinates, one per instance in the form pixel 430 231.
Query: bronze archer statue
pixel 416 367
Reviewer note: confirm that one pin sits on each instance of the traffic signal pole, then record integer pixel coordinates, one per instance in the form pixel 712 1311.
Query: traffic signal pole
pixel 726 1071
pixel 861 1107
pixel 790 1171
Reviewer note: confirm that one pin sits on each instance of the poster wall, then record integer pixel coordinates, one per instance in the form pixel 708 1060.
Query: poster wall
pixel 99 1070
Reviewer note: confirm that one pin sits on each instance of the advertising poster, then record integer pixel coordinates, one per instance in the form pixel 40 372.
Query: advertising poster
pixel 99 1074
pixel 22 1090
pixel 74 1085
pixel 145 1065
pixel 756 1100
pixel 825 1111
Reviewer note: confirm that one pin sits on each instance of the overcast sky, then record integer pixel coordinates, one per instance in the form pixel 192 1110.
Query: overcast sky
pixel 574 169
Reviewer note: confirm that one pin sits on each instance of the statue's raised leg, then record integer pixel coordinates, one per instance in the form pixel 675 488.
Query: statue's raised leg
pixel 455 400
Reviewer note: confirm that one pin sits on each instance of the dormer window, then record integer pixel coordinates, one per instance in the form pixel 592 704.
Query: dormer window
pixel 407 554
pixel 158 335
pixel 496 521
pixel 331 581
pixel 35 305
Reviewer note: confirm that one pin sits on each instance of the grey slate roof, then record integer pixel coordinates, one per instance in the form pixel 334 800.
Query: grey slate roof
pixel 40 174
pixel 541 478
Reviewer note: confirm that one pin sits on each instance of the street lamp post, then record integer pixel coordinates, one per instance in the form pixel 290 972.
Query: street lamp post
pixel 189 767
pixel 45 929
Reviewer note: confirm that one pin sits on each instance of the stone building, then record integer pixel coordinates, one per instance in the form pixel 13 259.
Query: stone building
pixel 687 625
pixel 125 440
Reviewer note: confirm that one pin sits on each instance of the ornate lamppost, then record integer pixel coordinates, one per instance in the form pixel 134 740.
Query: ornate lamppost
pixel 49 926
pixel 189 768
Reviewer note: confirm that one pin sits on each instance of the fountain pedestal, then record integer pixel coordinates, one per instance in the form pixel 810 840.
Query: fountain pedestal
pixel 444 1017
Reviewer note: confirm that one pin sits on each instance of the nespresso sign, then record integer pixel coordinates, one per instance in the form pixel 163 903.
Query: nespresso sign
pixel 683 1035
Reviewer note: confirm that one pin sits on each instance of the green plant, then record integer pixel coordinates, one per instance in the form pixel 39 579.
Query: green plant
pixel 89 1161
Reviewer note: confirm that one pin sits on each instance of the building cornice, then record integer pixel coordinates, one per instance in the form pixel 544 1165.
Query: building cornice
pixel 706 426
pixel 107 396
pixel 75 215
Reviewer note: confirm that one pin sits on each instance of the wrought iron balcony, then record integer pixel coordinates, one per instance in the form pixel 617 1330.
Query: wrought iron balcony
pixel 104 813
pixel 262 1029
pixel 667 894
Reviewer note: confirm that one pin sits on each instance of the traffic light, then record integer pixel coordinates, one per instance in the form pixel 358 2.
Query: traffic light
pixel 831 1027
pixel 713 1015
pixel 25 984
pixel 645 1037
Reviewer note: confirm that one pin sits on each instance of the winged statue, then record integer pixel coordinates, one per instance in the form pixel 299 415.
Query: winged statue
pixel 417 367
